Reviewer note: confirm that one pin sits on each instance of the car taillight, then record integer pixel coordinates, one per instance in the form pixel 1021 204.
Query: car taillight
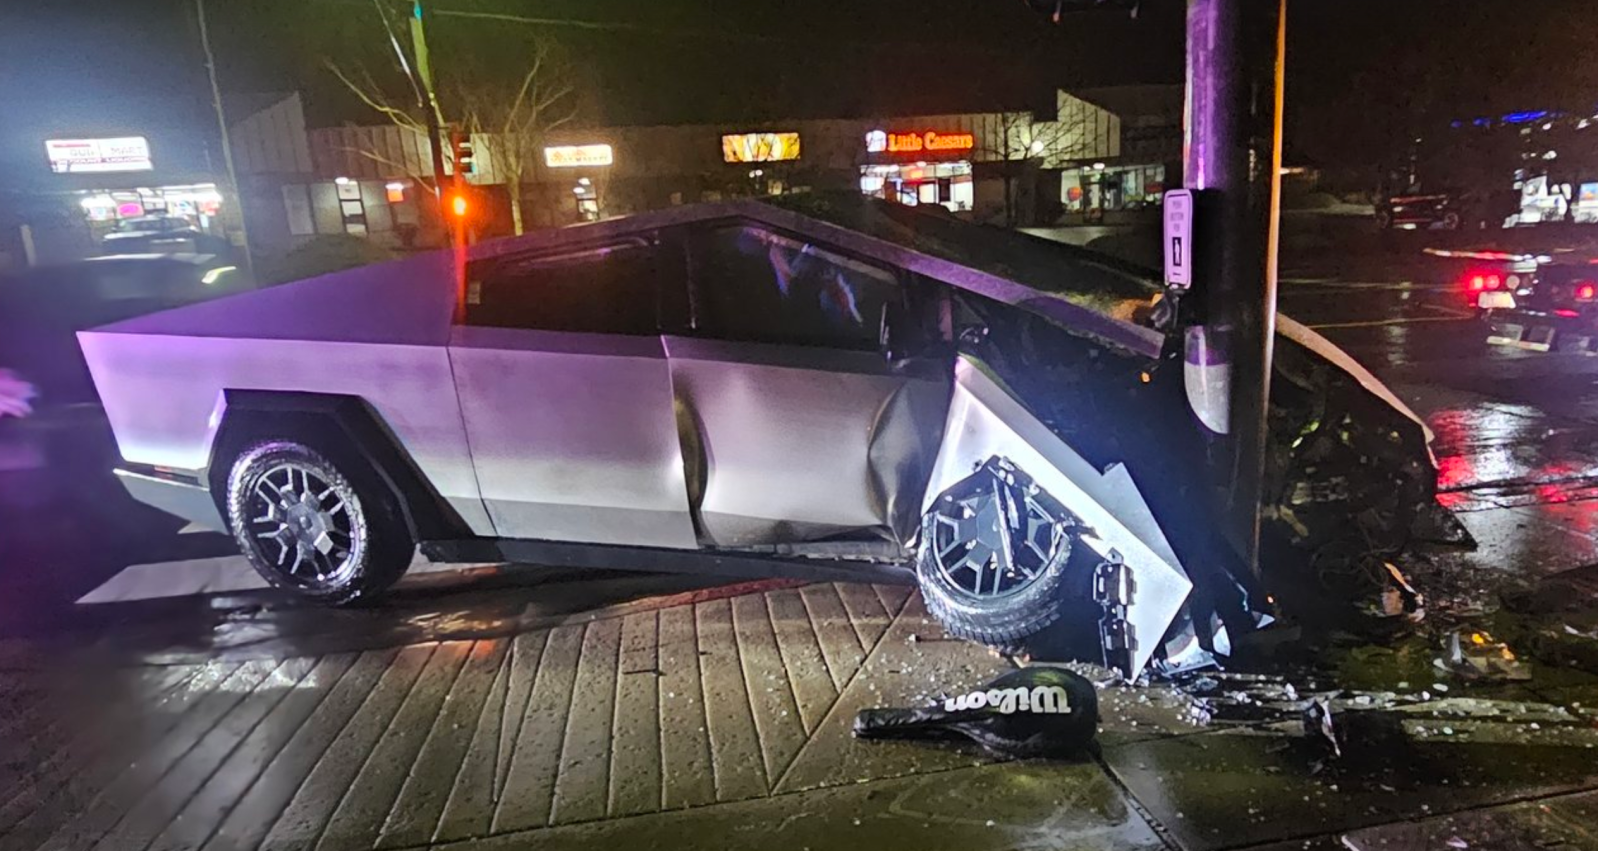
pixel 1494 282
pixel 1567 312
pixel 1478 282
pixel 1586 291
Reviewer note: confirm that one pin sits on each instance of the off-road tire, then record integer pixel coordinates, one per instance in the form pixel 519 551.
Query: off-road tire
pixel 378 543
pixel 1004 625
pixel 999 621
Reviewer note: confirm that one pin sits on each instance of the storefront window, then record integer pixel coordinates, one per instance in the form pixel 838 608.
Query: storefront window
pixel 947 183
pixel 200 205
pixel 1089 189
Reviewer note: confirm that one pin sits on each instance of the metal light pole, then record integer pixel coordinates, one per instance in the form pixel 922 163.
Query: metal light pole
pixel 1232 151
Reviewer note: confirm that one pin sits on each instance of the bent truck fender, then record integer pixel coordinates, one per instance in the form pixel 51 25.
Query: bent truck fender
pixel 1302 335
pixel 985 421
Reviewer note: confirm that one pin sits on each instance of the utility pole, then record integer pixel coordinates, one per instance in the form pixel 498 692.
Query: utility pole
pixel 1232 152
pixel 227 145
pixel 435 119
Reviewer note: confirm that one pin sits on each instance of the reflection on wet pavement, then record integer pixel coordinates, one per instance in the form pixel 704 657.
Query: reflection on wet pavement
pixel 1501 455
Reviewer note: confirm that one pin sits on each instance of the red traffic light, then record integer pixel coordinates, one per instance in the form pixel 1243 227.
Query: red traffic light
pixel 457 205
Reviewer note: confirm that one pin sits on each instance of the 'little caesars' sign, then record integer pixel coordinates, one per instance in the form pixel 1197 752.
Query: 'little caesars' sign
pixel 1047 700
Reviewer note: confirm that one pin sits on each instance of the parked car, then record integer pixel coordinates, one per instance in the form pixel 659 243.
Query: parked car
pixel 1413 211
pixel 162 234
pixel 833 387
pixel 146 228
pixel 1539 303
pixel 1472 210
pixel 41 310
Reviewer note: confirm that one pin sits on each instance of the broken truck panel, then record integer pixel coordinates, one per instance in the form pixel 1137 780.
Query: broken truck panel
pixel 986 421
pixel 770 419
pixel 1347 461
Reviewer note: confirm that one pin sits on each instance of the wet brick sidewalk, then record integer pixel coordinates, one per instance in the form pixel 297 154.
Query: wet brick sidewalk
pixel 710 724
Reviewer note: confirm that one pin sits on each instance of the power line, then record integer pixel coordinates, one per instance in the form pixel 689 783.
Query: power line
pixel 724 35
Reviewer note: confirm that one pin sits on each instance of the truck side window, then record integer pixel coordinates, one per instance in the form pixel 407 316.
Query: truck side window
pixel 609 290
pixel 755 285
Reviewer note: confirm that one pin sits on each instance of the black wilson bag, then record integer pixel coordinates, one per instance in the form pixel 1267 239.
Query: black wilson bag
pixel 1029 712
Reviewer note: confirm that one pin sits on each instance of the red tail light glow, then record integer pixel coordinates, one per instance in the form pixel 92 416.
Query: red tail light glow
pixel 1478 282
pixel 1567 313
pixel 1494 282
pixel 1586 291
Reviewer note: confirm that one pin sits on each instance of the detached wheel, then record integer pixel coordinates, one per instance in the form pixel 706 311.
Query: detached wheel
pixel 330 530
pixel 993 555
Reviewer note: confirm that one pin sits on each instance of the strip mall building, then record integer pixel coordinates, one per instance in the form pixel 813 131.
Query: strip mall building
pixel 1007 168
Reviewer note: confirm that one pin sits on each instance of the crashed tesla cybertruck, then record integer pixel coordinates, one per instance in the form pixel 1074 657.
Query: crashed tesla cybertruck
pixel 829 388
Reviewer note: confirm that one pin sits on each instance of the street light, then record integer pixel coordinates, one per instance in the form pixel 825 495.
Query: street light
pixel 458 205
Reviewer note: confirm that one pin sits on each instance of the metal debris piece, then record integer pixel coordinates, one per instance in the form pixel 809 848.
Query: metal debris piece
pixel 1399 598
pixel 1318 725
pixel 1477 655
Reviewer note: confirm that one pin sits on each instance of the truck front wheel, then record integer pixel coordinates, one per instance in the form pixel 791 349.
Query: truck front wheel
pixel 322 525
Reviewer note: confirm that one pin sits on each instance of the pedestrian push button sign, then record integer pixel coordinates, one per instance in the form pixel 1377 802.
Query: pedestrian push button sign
pixel 1179 238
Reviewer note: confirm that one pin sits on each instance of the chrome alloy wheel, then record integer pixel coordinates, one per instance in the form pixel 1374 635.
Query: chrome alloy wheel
pixel 995 534
pixel 303 523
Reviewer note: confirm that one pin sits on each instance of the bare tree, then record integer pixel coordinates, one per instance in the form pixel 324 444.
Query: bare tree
pixel 508 120
pixel 511 125
pixel 404 112
pixel 1017 138
pixel 1021 140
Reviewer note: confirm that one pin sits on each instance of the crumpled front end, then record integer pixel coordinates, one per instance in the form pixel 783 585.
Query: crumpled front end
pixel 1137 583
pixel 1349 469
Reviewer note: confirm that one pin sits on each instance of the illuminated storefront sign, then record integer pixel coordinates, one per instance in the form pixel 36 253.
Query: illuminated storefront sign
pixel 72 156
pixel 878 141
pixel 759 147
pixel 574 156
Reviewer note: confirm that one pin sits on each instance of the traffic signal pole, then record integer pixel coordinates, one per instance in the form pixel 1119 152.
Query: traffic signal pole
pixel 1232 162
pixel 435 121
pixel 454 225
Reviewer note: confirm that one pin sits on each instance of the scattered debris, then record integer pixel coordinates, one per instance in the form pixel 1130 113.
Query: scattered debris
pixel 1481 657
pixel 1318 725
pixel 1400 598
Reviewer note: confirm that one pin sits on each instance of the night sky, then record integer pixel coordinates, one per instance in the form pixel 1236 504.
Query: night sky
pixel 1361 72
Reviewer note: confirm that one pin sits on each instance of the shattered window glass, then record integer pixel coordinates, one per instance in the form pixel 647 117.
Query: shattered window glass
pixel 1088 279
pixel 605 291
pixel 752 284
